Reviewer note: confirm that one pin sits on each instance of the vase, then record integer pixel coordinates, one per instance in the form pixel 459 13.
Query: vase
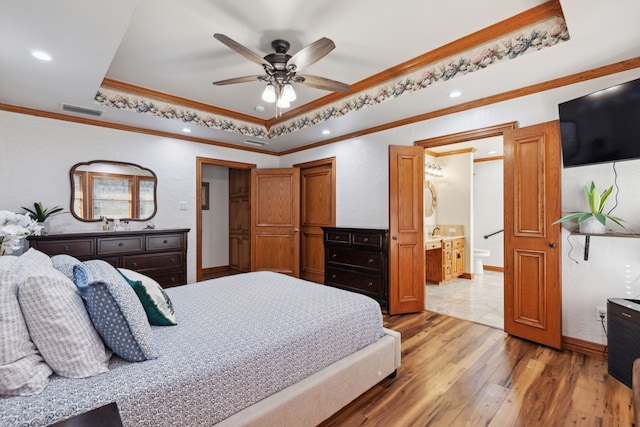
pixel 592 226
pixel 45 227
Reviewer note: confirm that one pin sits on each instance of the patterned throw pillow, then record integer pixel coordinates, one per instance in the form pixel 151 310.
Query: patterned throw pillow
pixel 154 299
pixel 23 371
pixel 65 263
pixel 59 324
pixel 115 310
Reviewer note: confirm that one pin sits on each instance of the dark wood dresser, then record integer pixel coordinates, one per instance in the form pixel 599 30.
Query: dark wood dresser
pixel 159 254
pixel 356 259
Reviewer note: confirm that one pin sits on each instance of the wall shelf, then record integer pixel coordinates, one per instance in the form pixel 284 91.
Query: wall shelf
pixel 587 239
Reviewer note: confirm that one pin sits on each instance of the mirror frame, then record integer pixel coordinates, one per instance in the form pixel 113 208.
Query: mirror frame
pixel 430 207
pixel 117 163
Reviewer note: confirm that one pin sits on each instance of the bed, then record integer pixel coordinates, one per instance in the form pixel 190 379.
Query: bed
pixel 257 348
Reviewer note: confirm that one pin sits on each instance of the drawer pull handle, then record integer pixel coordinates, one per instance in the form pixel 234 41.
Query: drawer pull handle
pixel 173 279
pixel 120 244
pixel 366 239
pixel 334 255
pixel 370 260
pixel 66 248
pixel 135 264
pixel 173 260
pixel 337 237
pixel 333 276
pixel 371 284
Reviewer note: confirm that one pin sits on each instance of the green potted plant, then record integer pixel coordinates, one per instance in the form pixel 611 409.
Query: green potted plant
pixel 42 214
pixel 593 221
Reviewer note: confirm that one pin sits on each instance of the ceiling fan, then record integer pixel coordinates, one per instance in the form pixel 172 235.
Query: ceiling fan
pixel 281 69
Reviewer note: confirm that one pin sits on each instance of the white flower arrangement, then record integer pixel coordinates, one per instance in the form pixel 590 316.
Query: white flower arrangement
pixel 15 227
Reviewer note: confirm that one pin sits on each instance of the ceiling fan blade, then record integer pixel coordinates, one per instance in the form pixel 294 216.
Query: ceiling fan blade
pixel 238 80
pixel 246 52
pixel 322 83
pixel 311 54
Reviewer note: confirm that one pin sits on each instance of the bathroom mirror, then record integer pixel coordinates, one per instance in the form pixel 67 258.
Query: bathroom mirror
pixel 429 198
pixel 104 188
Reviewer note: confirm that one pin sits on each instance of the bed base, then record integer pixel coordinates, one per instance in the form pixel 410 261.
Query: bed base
pixel 317 397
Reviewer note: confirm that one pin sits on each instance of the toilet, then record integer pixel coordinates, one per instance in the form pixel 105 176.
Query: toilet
pixel 478 256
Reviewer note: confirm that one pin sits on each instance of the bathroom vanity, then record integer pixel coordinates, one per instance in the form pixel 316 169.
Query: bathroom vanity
pixel 444 259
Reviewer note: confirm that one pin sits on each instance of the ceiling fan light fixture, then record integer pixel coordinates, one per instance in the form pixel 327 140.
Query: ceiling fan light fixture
pixel 283 103
pixel 288 93
pixel 269 94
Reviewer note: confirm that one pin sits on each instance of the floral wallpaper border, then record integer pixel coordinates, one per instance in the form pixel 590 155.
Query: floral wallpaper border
pixel 534 38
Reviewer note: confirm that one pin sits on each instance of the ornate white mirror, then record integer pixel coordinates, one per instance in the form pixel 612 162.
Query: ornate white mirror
pixel 103 188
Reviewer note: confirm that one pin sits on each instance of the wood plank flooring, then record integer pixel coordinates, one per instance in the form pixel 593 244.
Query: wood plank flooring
pixel 459 373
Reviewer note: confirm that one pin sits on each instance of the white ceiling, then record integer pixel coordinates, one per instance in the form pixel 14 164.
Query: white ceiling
pixel 168 46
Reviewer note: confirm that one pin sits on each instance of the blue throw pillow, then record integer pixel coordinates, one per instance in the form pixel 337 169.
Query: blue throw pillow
pixel 115 310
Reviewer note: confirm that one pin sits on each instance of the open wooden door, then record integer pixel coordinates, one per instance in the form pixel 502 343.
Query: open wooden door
pixel 406 230
pixel 532 275
pixel 275 220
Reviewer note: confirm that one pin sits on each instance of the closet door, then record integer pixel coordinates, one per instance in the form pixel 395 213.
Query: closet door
pixel 275 220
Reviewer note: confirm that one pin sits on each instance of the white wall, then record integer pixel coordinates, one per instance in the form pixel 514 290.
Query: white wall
pixel 362 164
pixel 36 155
pixel 488 209
pixel 455 198
pixel 215 221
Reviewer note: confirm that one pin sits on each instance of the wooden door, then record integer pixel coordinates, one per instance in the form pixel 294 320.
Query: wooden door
pixel 275 214
pixel 318 209
pixel 532 269
pixel 406 243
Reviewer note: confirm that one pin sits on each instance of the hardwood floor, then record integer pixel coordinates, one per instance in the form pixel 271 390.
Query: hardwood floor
pixel 459 373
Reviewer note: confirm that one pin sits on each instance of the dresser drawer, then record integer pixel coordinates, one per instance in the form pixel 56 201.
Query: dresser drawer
pixel 362 283
pixel 76 248
pixel 166 279
pixel 348 257
pixel 120 245
pixel 164 242
pixel 434 244
pixel 458 243
pixel 447 244
pixel 164 260
pixel 338 237
pixel 367 240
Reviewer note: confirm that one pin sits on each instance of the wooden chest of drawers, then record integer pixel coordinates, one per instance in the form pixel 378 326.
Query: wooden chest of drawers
pixel 356 260
pixel 159 254
pixel 444 259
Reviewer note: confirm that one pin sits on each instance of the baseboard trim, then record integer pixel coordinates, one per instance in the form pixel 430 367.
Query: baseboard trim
pixel 214 270
pixel 584 347
pixel 493 268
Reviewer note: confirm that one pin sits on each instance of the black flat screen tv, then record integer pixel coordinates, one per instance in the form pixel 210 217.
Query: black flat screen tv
pixel 601 127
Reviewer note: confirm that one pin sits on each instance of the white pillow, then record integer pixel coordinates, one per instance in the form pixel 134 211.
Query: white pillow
pixel 59 324
pixel 22 369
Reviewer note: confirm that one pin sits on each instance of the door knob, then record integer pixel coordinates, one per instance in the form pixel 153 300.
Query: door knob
pixel 395 237
pixel 552 245
pixel 295 230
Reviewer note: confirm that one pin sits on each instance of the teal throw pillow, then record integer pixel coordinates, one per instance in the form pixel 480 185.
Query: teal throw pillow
pixel 154 299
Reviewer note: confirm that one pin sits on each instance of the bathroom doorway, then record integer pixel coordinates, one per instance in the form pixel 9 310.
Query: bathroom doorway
pixel 477 294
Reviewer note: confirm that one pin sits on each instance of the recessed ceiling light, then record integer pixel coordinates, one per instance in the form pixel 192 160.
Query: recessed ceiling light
pixel 326 132
pixel 455 94
pixel 186 130
pixel 259 108
pixel 43 56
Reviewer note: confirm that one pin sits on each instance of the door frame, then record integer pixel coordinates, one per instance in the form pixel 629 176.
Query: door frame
pixel 487 132
pixel 200 163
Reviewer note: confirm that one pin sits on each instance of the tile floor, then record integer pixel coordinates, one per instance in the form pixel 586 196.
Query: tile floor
pixel 479 300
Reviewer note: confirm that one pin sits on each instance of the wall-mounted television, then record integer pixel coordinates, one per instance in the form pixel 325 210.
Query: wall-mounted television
pixel 601 127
